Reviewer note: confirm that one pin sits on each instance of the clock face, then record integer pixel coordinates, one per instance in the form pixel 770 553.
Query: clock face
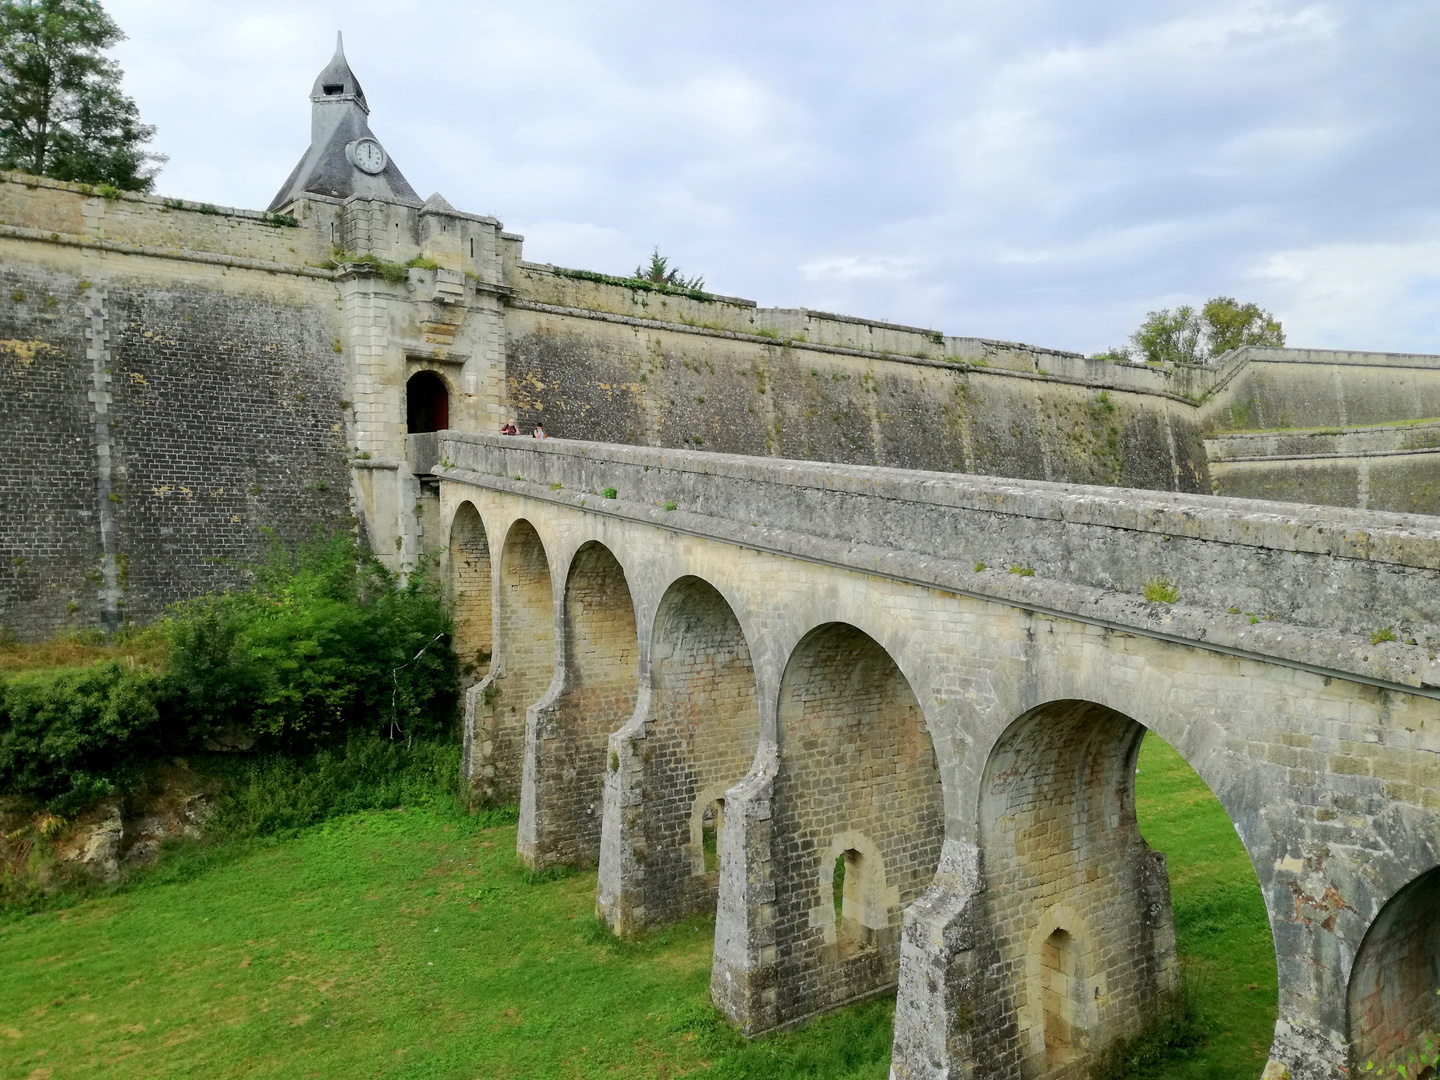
pixel 367 154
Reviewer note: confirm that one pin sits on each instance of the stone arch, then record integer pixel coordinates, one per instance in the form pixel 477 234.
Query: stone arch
pixel 692 738
pixel 1063 855
pixel 856 773
pixel 566 736
pixel 521 669
pixel 471 591
pixel 427 403
pixel 1394 993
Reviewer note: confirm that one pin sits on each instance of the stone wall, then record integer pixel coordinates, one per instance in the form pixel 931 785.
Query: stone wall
pixel 471 590
pixel 158 429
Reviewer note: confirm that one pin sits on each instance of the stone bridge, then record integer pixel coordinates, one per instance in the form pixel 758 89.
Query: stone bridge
pixel 884 724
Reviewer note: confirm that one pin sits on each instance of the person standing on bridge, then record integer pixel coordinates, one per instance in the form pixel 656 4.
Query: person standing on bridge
pixel 539 432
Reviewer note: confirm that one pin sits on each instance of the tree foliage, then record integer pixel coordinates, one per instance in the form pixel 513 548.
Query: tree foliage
pixel 62 111
pixel 660 272
pixel 1190 336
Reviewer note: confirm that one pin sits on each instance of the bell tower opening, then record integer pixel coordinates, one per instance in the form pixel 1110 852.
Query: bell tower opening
pixel 427 403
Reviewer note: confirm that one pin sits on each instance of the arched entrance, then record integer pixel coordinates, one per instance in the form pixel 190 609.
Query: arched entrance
pixel 427 403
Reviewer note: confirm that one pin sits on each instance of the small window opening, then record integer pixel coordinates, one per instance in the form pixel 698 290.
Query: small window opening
pixel 847 885
pixel 1058 992
pixel 332 89
pixel 397 234
pixel 472 247
pixel 712 822
pixel 427 403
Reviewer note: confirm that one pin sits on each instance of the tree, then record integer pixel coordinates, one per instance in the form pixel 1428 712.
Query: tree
pixel 660 272
pixel 1230 324
pixel 62 112
pixel 1187 336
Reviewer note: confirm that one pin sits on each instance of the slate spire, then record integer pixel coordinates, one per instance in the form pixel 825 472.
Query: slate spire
pixel 338 121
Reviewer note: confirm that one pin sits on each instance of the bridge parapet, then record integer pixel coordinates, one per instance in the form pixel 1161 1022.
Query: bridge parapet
pixel 1319 588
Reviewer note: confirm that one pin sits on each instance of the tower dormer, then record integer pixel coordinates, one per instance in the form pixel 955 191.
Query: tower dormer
pixel 344 158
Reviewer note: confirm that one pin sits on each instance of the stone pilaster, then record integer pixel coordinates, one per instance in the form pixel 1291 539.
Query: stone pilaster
pixel 744 973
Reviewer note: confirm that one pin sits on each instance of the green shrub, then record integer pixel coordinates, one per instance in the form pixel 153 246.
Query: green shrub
pixel 322 646
pixel 68 737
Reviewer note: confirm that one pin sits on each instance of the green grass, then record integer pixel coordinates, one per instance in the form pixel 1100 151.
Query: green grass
pixel 410 944
pixel 1220 925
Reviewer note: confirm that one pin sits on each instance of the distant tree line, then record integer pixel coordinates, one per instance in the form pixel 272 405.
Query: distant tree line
pixel 62 111
pixel 1188 336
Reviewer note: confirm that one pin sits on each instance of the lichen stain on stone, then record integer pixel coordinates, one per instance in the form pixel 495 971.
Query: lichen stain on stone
pixel 25 351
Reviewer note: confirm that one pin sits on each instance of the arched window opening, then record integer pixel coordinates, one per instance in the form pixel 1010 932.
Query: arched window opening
pixel 1060 988
pixel 712 823
pixel 848 886
pixel 427 403
pixel 1394 1003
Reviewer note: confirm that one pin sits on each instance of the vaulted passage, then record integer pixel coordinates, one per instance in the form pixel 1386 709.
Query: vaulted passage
pixel 521 669
pixel 858 805
pixel 1395 984
pixel 427 403
pixel 566 738
pixel 470 590
pixel 696 738
pixel 1079 905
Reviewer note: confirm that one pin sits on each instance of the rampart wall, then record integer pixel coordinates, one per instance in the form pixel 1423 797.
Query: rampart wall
pixel 264 364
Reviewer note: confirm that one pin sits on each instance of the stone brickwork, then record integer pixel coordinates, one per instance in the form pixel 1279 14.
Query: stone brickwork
pixel 1323 746
pixel 471 591
pixel 1394 1003
pixel 567 733
pixel 520 671
pixel 857 783
pixel 692 738
pixel 1081 919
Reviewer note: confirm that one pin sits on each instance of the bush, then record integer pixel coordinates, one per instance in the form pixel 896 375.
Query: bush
pixel 70 736
pixel 324 645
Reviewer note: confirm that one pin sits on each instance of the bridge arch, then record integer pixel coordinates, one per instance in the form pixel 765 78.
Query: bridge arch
pixel 691 738
pixel 566 734
pixel 856 773
pixel 521 668
pixel 1394 992
pixel 471 589
pixel 1086 928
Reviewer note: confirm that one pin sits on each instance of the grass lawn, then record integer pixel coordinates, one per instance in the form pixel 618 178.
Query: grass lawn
pixel 406 944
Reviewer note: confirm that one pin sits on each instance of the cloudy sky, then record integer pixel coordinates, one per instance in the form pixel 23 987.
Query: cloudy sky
pixel 1035 170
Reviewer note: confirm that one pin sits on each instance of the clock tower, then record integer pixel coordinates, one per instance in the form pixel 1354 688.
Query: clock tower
pixel 344 158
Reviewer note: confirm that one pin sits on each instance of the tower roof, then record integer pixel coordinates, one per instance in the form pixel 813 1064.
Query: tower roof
pixel 337 80
pixel 339 120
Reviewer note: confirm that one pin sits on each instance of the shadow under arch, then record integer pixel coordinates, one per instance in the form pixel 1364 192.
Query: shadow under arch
pixel 520 670
pixel 1394 993
pixel 857 781
pixel 693 736
pixel 471 593
pixel 566 735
